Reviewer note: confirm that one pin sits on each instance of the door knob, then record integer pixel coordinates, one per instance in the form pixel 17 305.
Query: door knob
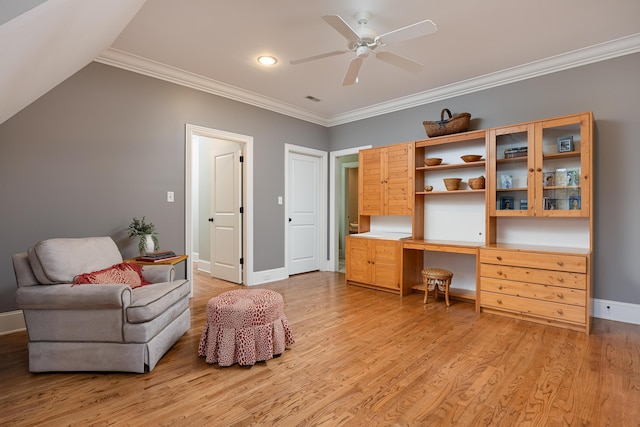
pixel 289 219
pixel 210 219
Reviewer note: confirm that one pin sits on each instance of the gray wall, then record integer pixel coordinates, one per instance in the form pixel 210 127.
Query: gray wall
pixel 107 144
pixel 610 89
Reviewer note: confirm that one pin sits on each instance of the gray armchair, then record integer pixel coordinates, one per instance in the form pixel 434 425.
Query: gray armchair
pixel 109 327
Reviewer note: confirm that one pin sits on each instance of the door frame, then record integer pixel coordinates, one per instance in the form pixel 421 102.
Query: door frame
pixel 247 195
pixel 334 192
pixel 322 202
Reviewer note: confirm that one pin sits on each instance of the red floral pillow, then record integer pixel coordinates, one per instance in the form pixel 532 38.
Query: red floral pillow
pixel 124 273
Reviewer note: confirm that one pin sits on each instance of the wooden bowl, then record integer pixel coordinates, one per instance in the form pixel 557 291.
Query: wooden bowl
pixel 476 183
pixel 452 183
pixel 432 161
pixel 471 158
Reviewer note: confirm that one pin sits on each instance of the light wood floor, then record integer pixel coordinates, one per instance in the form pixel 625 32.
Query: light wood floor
pixel 362 357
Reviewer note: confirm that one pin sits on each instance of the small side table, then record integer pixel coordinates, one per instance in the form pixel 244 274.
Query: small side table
pixel 170 261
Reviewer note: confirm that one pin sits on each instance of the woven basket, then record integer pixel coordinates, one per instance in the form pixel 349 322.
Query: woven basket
pixel 454 124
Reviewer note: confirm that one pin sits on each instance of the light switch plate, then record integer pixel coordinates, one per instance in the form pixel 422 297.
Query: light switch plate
pixel 170 196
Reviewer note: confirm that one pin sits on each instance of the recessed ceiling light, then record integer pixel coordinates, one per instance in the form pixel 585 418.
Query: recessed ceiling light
pixel 267 60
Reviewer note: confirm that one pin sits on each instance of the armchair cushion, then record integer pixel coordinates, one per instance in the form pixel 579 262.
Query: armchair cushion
pixel 60 260
pixel 123 273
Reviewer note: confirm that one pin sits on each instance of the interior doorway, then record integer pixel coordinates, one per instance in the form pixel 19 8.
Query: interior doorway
pixel 197 205
pixel 348 219
pixel 342 164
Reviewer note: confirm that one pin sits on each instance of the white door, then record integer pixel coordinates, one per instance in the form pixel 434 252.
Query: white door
pixel 226 218
pixel 304 213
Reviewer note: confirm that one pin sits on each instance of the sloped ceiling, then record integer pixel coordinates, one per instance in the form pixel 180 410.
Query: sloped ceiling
pixel 51 41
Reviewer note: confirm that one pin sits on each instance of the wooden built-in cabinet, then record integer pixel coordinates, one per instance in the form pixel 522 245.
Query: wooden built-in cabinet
pixel 374 262
pixel 544 285
pixel 539 171
pixel 541 168
pixel 385 181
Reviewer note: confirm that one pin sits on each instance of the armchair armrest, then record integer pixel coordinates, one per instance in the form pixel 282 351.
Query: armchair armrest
pixel 159 273
pixel 66 296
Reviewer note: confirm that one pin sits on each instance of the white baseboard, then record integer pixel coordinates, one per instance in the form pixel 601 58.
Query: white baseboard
pixel 11 321
pixel 614 310
pixel 266 276
pixel 204 266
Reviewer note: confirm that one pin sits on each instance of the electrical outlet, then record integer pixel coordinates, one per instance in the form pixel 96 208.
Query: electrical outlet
pixel 170 196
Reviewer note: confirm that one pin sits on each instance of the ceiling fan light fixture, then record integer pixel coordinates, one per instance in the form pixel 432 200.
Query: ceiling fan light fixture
pixel 267 60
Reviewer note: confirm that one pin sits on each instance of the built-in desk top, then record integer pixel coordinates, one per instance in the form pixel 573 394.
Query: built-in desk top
pixel 443 246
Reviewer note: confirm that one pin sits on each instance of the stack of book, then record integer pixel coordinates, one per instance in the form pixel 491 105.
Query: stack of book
pixel 157 256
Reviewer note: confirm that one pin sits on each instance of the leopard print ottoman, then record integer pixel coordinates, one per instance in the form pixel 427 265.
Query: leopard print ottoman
pixel 245 326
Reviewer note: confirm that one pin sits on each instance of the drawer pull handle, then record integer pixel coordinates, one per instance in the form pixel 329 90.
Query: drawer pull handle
pixel 560 263
pixel 538 169
pixel 530 169
pixel 499 272
pixel 499 258
pixel 560 311
pixel 560 296
pixel 560 279
pixel 499 286
pixel 499 301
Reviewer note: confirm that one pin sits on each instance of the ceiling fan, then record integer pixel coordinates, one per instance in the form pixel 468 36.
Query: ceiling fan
pixel 365 41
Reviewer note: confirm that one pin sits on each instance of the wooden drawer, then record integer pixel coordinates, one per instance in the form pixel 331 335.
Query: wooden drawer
pixel 532 307
pixel 547 261
pixel 534 291
pixel 543 277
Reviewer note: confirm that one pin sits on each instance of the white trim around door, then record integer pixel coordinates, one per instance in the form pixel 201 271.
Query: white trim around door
pixel 247 224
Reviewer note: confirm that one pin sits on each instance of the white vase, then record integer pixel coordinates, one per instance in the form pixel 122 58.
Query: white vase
pixel 147 244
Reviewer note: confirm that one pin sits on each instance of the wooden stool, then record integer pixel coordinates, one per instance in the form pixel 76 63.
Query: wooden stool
pixel 438 280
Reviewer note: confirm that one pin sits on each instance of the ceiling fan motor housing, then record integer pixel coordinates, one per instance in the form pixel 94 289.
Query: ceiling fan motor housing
pixel 362 51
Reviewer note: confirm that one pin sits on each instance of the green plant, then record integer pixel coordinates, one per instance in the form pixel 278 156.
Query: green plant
pixel 142 229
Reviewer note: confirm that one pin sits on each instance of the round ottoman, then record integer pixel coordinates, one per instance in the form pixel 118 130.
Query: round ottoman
pixel 245 326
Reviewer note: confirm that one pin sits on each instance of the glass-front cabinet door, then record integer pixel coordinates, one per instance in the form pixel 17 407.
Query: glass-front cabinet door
pixel 542 168
pixel 511 170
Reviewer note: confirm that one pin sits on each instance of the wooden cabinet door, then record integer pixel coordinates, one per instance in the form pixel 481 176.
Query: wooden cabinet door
pixel 370 185
pixel 564 152
pixel 400 167
pixel 358 260
pixel 386 180
pixel 386 264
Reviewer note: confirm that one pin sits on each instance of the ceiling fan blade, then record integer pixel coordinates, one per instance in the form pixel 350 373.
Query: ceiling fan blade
pixel 342 27
pixel 419 29
pixel 313 58
pixel 400 61
pixel 352 72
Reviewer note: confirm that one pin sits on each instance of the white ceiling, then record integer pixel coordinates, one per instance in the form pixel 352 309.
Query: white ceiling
pixel 220 41
pixel 213 46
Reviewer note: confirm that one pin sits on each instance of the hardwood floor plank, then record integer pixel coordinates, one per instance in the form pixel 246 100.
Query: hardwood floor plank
pixel 361 357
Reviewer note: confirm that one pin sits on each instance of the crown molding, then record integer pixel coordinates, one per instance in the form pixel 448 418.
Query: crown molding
pixel 596 53
pixel 140 65
pixel 600 52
